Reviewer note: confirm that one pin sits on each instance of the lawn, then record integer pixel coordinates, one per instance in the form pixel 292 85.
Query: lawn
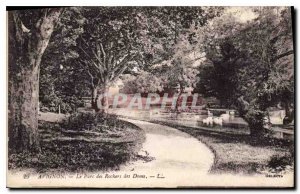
pixel 82 142
pixel 240 153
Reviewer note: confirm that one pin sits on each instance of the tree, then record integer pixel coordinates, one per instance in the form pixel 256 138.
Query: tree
pixel 271 66
pixel 221 61
pixel 108 47
pixel 182 75
pixel 218 74
pixel 258 58
pixel 29 35
pixel 168 25
pixel 62 81
pixel 175 31
pixel 144 82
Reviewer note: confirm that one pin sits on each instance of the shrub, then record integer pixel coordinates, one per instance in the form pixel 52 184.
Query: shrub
pixel 68 104
pixel 280 163
pixel 255 119
pixel 90 121
pixel 44 109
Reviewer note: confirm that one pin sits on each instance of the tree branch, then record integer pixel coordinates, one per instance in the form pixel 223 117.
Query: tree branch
pixel 98 68
pixel 122 66
pixel 103 52
pixel 88 72
pixel 285 54
pixel 98 57
pixel 20 29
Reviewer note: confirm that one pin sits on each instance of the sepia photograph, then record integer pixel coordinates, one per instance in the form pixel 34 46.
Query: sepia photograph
pixel 150 97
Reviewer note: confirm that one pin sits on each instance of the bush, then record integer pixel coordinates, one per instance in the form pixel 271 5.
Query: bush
pixel 68 104
pixel 280 163
pixel 255 119
pixel 44 109
pixel 90 121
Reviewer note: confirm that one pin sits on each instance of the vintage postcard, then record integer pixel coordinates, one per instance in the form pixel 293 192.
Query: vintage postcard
pixel 150 97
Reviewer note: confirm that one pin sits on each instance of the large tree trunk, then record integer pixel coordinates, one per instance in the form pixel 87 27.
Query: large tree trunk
pixel 23 123
pixel 102 102
pixel 179 99
pixel 94 98
pixel 26 48
pixel 254 118
pixel 287 109
pixel 289 114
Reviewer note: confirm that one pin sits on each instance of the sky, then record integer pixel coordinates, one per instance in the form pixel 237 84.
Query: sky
pixel 242 14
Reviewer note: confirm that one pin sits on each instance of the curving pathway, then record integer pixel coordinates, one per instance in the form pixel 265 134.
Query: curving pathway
pixel 175 154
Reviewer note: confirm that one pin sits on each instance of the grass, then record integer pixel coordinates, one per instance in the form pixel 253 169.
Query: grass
pixel 240 153
pixel 73 146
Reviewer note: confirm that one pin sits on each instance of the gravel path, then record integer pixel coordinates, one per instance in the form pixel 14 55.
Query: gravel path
pixel 174 153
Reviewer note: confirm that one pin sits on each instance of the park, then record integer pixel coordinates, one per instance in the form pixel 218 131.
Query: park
pixel 175 91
